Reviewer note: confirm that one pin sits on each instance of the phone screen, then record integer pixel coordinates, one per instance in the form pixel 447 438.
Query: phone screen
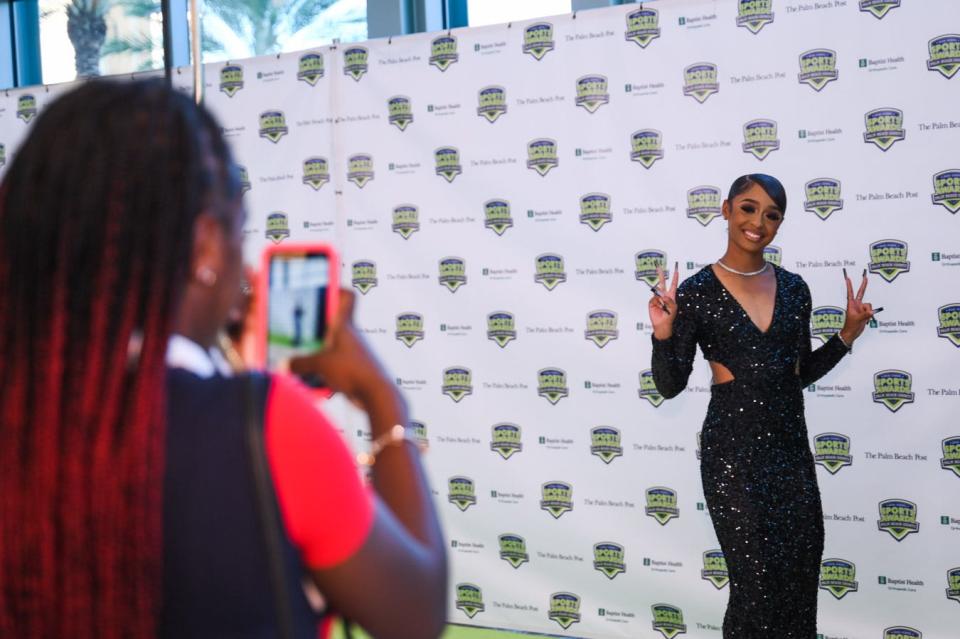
pixel 297 306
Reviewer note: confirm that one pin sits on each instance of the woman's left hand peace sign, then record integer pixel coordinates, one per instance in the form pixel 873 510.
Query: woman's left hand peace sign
pixel 858 312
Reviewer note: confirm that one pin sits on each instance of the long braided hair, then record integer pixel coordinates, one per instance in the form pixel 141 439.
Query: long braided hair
pixel 96 232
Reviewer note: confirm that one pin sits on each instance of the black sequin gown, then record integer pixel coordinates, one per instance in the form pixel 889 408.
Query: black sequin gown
pixel 757 469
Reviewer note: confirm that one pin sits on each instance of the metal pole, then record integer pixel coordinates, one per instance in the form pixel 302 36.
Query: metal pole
pixel 195 48
pixel 167 41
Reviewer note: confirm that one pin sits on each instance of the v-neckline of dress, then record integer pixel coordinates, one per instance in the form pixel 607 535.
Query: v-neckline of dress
pixel 776 299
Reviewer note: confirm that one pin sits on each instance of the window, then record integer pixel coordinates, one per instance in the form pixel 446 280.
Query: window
pixel 482 12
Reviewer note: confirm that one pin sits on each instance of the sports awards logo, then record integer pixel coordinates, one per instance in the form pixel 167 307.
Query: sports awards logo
pixel 884 127
pixel 360 169
pixel 278 227
pixel 231 79
pixel 538 39
pixel 605 443
pixel 715 568
pixel 400 111
pixel 601 327
pixel 273 125
pixel 550 270
pixel 316 172
pixel 443 52
pixel 643 27
pixel 595 210
pixel 492 103
pixel 826 321
pixel 469 599
pixel 552 384
pixel 946 189
pixel 420 434
pixel 608 558
pixel 448 162
pixel 823 197
pixel 501 328
pixel 704 204
pixel 888 259
pixel 648 389
pixel 838 577
pixel 506 439
pixel 773 254
pixel 542 155
pixel 661 504
pixel 364 275
pixel 945 55
pixel 646 147
pixel 410 328
pixel 754 15
pixel 898 517
pixel 760 138
pixel 26 107
pixel 556 498
pixel 453 273
pixel 951 454
pixel 953 584
pixel 879 8
pixel 700 81
pixel 496 216
pixel 902 632
pixel 818 68
pixel 406 220
pixel 592 92
pixel 949 315
pixel 647 262
pixel 564 609
pixel 457 382
pixel 892 388
pixel 463 492
pixel 355 62
pixel 513 549
pixel 310 68
pixel 668 620
pixel 244 179
pixel 832 451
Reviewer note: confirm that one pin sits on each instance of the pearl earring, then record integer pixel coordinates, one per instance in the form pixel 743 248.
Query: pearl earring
pixel 206 276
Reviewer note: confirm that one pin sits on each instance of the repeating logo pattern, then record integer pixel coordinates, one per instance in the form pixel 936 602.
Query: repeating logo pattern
pixel 884 127
pixel 595 210
pixel 355 62
pixel 278 227
pixel 550 270
pixel 542 155
pixel 888 259
pixel 552 384
pixel 754 15
pixel 668 620
pixel 949 328
pixel 406 220
pixel 3 157
pixel 951 454
pixel 773 254
pixel 898 517
pixel 244 179
pixel 647 147
pixel 823 197
pixel 944 55
pixel 310 68
pixel 826 321
pixel 608 558
pixel 601 327
pixel 364 275
pixel 443 52
pixel 538 39
pixel 564 609
pixel 946 189
pixel 893 389
pixel 273 125
pixel 360 169
pixel 501 328
pixel 700 81
pixel 496 216
pixel 400 111
pixel 409 328
pixel 605 443
pixel 760 138
pixel 715 568
pixel 953 584
pixel 878 8
pixel 704 204
pixel 469 599
pixel 316 172
pixel 643 26
pixel 662 504
pixel 556 498
pixel 592 92
pixel 457 382
pixel 832 451
pixel 448 162
pixel 453 273
pixel 902 632
pixel 838 577
pixel 231 79
pixel 506 440
pixel 647 262
pixel 818 68
pixel 492 103
pixel 648 388
pixel 462 493
pixel 26 108
pixel 513 549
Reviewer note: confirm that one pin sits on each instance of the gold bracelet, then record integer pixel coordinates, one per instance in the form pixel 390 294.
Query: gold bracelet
pixel 396 435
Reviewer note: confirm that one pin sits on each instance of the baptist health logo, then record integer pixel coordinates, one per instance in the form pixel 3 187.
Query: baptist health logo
pixel 953 584
pixel 492 103
pixel 443 52
pixel 832 451
pixel 662 504
pixel 951 454
pixel 601 327
pixel 704 204
pixel 898 517
pixel 715 568
pixel 564 609
pixel 949 328
pixel 648 388
pixel 538 39
pixel 760 138
pixel 605 443
pixel 552 384
pixel 838 577
pixel 826 321
pixel 501 328
pixel 668 620
pixel 462 492
pixel 364 275
pixel 310 68
pixel 646 147
pixel 278 227
pixel 453 273
pixel 944 55
pixel 700 81
pixel 643 27
pixel 273 125
pixel 406 220
pixel 513 549
pixel 902 632
pixel 893 389
pixel 823 197
pixel 457 383
pixel 496 216
pixel 608 558
pixel 231 79
pixel 469 599
pixel 888 259
pixel 316 172
pixel 550 270
pixel 506 439
pixel 360 169
pixel 400 111
pixel 754 15
pixel 556 498
pixel 26 108
pixel 542 155
pixel 409 328
pixel 946 189
pixel 592 92
pixel 884 127
pixel 355 62
pixel 447 159
pixel 879 8
pixel 818 68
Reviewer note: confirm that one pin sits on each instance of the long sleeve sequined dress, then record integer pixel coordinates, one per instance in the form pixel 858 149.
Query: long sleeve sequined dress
pixel 756 466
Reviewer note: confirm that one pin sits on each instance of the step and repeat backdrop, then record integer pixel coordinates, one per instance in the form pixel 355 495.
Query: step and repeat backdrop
pixel 502 197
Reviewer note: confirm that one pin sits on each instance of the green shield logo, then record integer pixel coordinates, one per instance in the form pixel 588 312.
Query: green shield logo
pixel 513 549
pixel 902 632
pixel 273 125
pixel 244 179
pixel 453 273
pixel 448 162
pixel 557 498
pixel 704 204
pixel 469 599
pixel 832 451
pixel 605 443
pixel 949 328
pixel 662 504
pixel 592 92
pixel 893 389
pixel 643 27
pixel 506 440
pixel 823 197
pixel 898 517
pixel 462 492
pixel 879 8
pixel 316 172
pixel 443 52
pixel 231 79
pixel 953 584
pixel 400 111
pixel 601 327
pixel 648 388
pixel 26 108
pixel 608 558
pixel 773 254
pixel 360 169
pixel 946 189
pixel 278 227
pixel 550 271
pixel 564 609
pixel 888 259
pixel 355 62
pixel 538 39
pixel 552 384
pixel 409 328
pixel 951 454
pixel 838 577
pixel 700 81
pixel 310 68
pixel 497 216
pixel 406 220
pixel 501 328
pixel 944 55
pixel 492 103
pixel 457 383
pixel 647 262
pixel 754 15
pixel 364 275
pixel 818 68
pixel 595 210
pixel 647 147
pixel 542 155
pixel 884 128
pixel 420 434
pixel 668 620
pixel 826 321
pixel 715 568
pixel 760 138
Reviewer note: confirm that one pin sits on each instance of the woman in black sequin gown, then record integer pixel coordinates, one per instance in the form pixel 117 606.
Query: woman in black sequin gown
pixel 751 321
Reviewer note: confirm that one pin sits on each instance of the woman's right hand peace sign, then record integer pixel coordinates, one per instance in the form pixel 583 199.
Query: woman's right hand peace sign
pixel 663 304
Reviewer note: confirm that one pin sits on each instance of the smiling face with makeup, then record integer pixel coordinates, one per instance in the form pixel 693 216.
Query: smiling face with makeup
pixel 753 219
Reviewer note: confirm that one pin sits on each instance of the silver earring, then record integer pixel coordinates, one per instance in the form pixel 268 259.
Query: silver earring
pixel 206 276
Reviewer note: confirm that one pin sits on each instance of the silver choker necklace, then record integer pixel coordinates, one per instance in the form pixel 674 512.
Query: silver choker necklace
pixel 744 273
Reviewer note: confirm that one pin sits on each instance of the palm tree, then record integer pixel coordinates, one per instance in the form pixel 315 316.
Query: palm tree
pixel 87 29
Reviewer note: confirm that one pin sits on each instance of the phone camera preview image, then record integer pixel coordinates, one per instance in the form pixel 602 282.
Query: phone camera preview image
pixel 297 309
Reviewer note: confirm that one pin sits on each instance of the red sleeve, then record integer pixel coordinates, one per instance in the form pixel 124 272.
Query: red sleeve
pixel 326 508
